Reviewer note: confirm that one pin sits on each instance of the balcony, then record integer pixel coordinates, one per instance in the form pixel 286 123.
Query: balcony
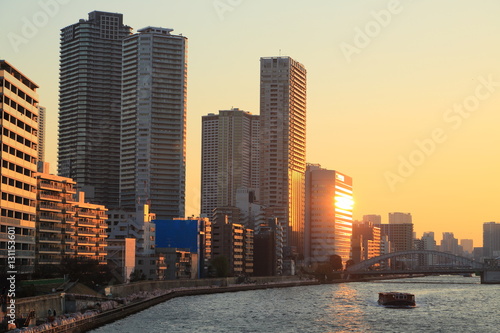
pixel 49 240
pixel 49 206
pixel 49 197
pixel 49 217
pixel 48 228
pixel 50 186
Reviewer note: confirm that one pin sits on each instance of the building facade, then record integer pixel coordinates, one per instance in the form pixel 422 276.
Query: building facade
pixel 229 157
pixel 153 135
pixel 90 105
pixel 41 133
pixel 399 235
pixel 19 126
pixel 365 241
pixel 90 230
pixel 400 218
pixel 192 234
pixel 329 204
pixel 55 218
pixel 283 145
pixel 491 240
pixel 235 243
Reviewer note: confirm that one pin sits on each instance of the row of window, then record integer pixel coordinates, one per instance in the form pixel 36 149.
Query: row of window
pixel 16 199
pixel 18 92
pixel 19 123
pixel 19 138
pixel 16 183
pixel 17 215
pixel 16 168
pixel 15 152
pixel 20 108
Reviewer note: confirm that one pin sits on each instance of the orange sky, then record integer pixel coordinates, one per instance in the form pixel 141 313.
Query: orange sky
pixel 388 82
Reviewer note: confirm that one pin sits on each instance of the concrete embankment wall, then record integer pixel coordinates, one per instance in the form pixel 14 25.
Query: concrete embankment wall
pixel 123 290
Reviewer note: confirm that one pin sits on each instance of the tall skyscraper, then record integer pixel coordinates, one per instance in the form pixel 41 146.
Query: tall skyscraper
pixel 18 138
pixel 229 157
pixel 328 217
pixel 491 239
pixel 41 133
pixel 153 143
pixel 90 105
pixel 283 145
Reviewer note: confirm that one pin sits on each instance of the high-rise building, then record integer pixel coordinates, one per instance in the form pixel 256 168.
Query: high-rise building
pixel 41 133
pixel 365 241
pixel 229 158
pixel 18 137
pixel 283 145
pixel 400 218
pixel 467 245
pixel 399 235
pixel 428 243
pixel 153 135
pixel 328 217
pixel 491 240
pixel 449 244
pixel 90 82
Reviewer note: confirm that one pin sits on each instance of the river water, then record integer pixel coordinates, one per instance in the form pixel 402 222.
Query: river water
pixel 444 304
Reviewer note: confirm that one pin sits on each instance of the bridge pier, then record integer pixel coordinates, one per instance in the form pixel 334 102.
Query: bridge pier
pixel 490 277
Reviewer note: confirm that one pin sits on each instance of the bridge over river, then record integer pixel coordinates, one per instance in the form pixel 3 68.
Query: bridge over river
pixel 425 262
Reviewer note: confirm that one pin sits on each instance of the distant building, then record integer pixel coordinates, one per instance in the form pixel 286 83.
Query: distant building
pixel 365 241
pixel 399 235
pixel 375 219
pixel 235 243
pixel 429 243
pixel 180 264
pixel 268 249
pixel 138 225
pixel 90 83
pixel 467 245
pixel 229 158
pixel 19 108
pixel 55 218
pixel 194 234
pixel 400 218
pixel 283 146
pixel 329 204
pixel 153 122
pixel 491 240
pixel 90 225
pixel 41 133
pixel 449 244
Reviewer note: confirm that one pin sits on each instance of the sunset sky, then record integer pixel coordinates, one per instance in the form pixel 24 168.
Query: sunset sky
pixel 403 96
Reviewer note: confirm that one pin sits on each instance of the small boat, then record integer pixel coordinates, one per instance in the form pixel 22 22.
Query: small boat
pixel 396 299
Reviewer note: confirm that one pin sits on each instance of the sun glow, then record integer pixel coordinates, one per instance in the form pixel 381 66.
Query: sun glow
pixel 344 202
